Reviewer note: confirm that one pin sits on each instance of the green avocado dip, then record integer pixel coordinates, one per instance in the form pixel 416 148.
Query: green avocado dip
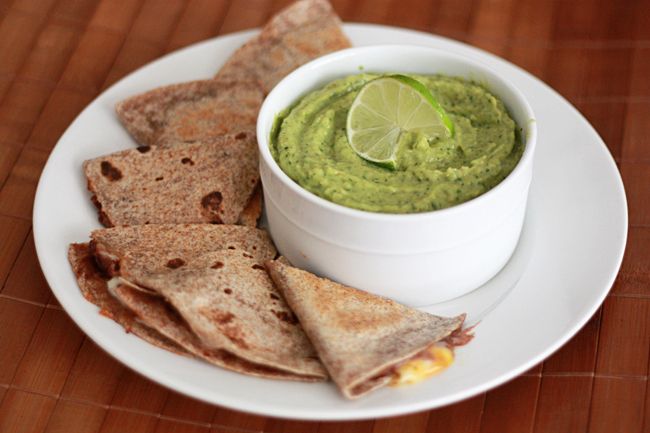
pixel 310 144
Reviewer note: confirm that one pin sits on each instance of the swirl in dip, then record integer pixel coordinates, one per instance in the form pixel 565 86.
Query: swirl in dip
pixel 310 144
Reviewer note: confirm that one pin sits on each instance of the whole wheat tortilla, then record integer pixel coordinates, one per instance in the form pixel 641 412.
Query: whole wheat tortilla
pixel 163 246
pixel 93 287
pixel 150 318
pixel 157 314
pixel 229 302
pixel 207 181
pixel 299 33
pixel 359 337
pixel 191 111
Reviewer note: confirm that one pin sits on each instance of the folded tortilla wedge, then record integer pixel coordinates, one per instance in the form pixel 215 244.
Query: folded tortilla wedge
pixel 299 33
pixel 174 244
pixel 191 111
pixel 208 181
pixel 167 251
pixel 92 284
pixel 154 313
pixel 95 263
pixel 362 339
pixel 222 304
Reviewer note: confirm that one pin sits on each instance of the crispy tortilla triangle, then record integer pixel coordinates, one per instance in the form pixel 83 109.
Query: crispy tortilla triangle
pixel 157 314
pixel 191 111
pixel 230 304
pixel 164 246
pixel 208 181
pixel 93 286
pixel 301 32
pixel 359 337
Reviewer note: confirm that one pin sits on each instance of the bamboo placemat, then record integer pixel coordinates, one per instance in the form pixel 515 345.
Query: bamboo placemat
pixel 57 55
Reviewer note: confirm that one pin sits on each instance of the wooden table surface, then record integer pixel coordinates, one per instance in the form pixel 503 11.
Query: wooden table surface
pixel 57 55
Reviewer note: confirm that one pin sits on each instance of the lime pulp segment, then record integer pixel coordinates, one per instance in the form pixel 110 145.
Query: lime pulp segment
pixel 386 107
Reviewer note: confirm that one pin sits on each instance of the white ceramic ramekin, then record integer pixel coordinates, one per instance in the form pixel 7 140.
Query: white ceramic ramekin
pixel 417 259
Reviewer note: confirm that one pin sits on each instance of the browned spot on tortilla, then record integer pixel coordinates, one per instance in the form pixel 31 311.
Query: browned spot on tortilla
pixel 212 201
pixel 227 291
pixel 248 256
pixel 187 160
pixel 159 178
pixel 285 316
pixel 223 318
pixel 217 265
pixel 238 341
pixel 274 296
pixel 143 149
pixel 231 247
pixel 175 263
pixel 111 172
pixel 212 204
pixel 234 334
pixel 240 136
pixel 260 267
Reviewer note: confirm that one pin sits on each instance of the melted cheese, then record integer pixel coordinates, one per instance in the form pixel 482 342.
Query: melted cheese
pixel 416 370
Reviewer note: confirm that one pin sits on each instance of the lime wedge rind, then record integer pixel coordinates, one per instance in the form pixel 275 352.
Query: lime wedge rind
pixel 422 89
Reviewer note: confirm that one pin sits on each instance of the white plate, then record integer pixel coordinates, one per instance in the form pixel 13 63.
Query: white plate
pixel 567 259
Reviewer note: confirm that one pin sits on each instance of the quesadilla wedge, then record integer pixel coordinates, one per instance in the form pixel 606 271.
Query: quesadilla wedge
pixel 152 319
pixel 93 286
pixel 299 33
pixel 226 304
pixel 155 313
pixel 208 181
pixel 173 250
pixel 191 111
pixel 166 246
pixel 366 341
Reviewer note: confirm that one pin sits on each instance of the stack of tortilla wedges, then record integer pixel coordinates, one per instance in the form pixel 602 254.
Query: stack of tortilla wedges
pixel 182 264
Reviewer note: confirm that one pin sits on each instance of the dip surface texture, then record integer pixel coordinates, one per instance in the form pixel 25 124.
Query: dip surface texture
pixel 309 143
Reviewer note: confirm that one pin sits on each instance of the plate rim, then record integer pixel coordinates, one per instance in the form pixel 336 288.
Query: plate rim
pixel 361 413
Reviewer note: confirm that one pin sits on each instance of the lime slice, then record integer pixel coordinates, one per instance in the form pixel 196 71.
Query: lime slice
pixel 386 107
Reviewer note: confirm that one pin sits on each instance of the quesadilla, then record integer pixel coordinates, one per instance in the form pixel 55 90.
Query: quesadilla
pixel 209 181
pixel 157 248
pixel 191 111
pixel 301 32
pixel 175 262
pixel 220 303
pixel 174 244
pixel 93 286
pixel 155 313
pixel 366 341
